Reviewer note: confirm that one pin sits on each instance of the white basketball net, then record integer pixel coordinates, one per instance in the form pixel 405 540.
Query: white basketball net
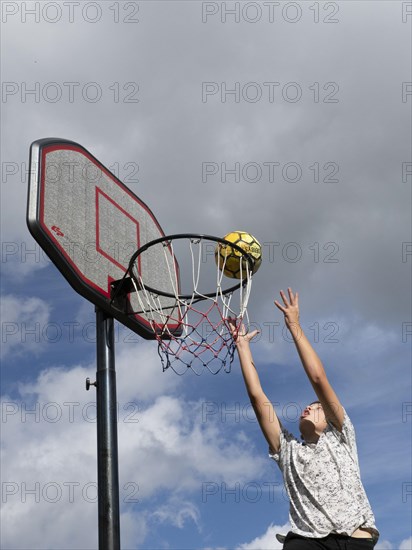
pixel 205 340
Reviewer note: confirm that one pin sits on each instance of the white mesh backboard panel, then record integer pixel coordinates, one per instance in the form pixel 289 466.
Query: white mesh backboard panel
pixel 90 224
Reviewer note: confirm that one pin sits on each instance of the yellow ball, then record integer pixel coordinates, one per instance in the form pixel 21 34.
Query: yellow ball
pixel 231 260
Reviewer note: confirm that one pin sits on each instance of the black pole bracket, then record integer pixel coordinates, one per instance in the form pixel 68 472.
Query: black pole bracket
pixel 88 384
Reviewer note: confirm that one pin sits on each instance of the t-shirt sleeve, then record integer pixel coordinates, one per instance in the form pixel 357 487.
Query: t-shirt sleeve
pixel 347 437
pixel 285 439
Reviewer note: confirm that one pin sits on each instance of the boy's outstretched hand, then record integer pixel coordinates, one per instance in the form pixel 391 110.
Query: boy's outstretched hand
pixel 239 333
pixel 290 308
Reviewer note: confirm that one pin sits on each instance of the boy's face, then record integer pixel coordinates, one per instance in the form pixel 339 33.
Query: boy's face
pixel 313 414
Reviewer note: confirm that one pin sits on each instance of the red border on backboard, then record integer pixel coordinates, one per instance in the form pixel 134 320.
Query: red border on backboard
pixel 98 248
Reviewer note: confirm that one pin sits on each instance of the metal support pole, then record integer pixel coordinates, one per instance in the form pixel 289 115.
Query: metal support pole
pixel 107 456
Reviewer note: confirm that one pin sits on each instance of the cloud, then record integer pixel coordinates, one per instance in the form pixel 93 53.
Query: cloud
pixel 21 258
pixel 177 512
pixel 23 320
pixel 49 459
pixel 384 545
pixel 268 540
pixel 406 544
pixel 139 372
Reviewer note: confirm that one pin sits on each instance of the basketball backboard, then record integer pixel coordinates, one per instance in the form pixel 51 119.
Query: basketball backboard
pixel 89 224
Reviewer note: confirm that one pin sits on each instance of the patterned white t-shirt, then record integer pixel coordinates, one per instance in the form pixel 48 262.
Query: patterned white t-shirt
pixel 323 483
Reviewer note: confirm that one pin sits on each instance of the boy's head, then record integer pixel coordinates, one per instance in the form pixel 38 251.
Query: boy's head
pixel 312 421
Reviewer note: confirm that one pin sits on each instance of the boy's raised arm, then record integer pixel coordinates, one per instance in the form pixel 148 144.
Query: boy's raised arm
pixel 264 410
pixel 310 360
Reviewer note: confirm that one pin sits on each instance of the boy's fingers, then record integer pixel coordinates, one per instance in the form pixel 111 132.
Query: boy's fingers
pixel 279 306
pixel 292 298
pixel 233 326
pixel 284 297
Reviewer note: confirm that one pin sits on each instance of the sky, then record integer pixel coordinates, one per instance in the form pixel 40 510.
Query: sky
pixel 289 120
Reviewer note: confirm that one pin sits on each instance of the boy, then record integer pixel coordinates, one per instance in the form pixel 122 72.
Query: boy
pixel 329 508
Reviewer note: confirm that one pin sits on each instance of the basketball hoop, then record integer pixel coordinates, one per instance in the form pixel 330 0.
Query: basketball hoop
pixel 191 327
